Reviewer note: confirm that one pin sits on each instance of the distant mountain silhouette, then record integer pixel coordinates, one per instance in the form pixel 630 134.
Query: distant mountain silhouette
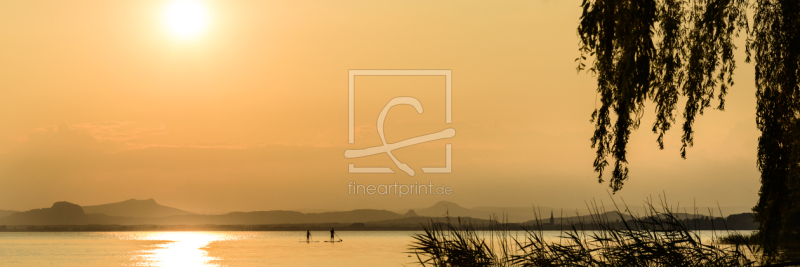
pixel 418 221
pixel 517 214
pixel 4 213
pixel 411 213
pixel 509 214
pixel 135 208
pixel 60 213
pixel 65 213
pixel 148 212
pixel 442 208
pixel 610 216
pixel 283 217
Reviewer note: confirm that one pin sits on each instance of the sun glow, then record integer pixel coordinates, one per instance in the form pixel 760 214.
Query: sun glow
pixel 185 19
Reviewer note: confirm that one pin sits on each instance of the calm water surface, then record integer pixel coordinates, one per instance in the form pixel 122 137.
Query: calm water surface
pixel 362 248
pixel 204 249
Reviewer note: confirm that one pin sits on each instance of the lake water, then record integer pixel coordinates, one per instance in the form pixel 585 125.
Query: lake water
pixel 359 248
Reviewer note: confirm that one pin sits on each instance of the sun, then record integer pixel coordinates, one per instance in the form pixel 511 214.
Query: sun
pixel 185 19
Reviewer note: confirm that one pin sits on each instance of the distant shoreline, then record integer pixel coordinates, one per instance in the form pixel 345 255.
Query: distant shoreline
pixel 302 227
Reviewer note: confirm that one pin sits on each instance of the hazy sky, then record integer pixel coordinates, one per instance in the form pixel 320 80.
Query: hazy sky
pixel 100 102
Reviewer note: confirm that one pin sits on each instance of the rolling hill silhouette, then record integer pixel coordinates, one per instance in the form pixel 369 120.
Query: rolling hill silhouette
pixel 510 214
pixel 60 213
pixel 65 213
pixel 4 213
pixel 282 217
pixel 443 208
pixel 135 208
pixel 148 212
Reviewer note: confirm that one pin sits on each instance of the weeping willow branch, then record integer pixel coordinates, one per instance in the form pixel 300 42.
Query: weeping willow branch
pixel 694 55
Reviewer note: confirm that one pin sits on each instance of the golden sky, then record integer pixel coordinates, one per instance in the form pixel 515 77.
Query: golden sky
pixel 101 102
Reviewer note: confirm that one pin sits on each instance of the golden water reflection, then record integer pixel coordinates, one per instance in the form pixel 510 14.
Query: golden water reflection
pixel 178 249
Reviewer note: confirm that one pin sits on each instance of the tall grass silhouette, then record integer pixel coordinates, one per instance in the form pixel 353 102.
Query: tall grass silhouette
pixel 658 238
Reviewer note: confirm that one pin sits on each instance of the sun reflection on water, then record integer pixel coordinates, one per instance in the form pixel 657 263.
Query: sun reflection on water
pixel 178 249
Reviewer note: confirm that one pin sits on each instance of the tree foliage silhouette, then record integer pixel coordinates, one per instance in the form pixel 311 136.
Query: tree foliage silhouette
pixel 657 50
pixel 776 44
pixel 694 54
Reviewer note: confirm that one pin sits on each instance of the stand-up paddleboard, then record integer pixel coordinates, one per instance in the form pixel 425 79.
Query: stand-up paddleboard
pixel 334 241
pixel 304 241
